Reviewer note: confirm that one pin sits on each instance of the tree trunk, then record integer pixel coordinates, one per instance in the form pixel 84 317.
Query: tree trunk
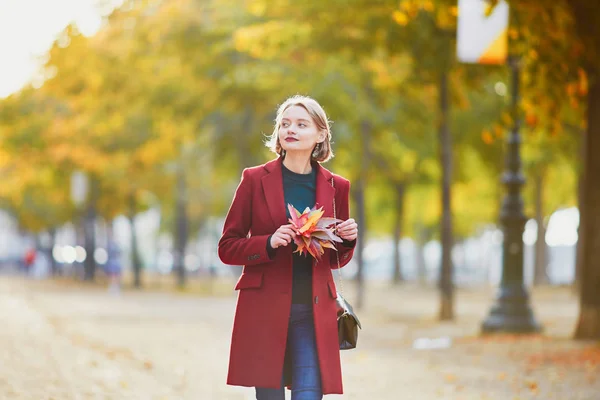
pixel 540 276
pixel 359 196
pixel 361 212
pixel 90 232
pixel 53 265
pixel 181 227
pixel 420 255
pixel 588 326
pixel 74 269
pixel 581 207
pixel 135 255
pixel 400 191
pixel 446 274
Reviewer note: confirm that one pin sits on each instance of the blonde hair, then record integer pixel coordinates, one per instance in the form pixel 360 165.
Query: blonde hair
pixel 322 151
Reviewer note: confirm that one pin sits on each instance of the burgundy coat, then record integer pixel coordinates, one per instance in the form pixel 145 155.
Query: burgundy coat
pixel 260 326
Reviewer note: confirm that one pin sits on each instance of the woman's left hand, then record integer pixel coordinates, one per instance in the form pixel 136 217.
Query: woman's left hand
pixel 347 230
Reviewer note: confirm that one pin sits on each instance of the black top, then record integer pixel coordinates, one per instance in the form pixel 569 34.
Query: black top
pixel 299 190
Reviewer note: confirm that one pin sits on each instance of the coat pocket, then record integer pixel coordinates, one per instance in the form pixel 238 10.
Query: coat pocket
pixel 332 290
pixel 249 280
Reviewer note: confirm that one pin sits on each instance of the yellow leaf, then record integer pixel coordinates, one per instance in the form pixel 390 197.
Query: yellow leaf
pixel 312 220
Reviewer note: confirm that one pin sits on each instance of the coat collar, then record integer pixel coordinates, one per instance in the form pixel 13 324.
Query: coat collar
pixel 272 185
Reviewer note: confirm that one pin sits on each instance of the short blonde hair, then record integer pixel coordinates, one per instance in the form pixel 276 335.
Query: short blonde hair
pixel 322 151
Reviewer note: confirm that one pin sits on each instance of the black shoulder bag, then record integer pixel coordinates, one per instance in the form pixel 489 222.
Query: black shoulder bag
pixel 347 320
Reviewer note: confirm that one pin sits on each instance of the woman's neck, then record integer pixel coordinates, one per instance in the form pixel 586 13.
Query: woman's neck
pixel 297 163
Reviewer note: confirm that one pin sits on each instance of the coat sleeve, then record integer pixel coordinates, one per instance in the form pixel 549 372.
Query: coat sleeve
pixel 345 250
pixel 237 246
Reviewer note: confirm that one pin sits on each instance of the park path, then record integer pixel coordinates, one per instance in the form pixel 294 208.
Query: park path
pixel 68 342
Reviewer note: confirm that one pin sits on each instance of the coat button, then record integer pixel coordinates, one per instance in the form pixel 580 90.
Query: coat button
pixel 316 299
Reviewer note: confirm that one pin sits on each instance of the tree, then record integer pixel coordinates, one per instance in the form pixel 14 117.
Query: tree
pixel 565 49
pixel 548 159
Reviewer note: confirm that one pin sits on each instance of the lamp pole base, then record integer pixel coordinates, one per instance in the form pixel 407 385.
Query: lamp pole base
pixel 511 313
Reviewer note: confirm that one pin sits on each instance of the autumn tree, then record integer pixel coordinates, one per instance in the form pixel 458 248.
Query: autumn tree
pixel 561 48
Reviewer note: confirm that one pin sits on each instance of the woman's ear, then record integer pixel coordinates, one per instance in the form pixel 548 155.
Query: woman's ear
pixel 322 136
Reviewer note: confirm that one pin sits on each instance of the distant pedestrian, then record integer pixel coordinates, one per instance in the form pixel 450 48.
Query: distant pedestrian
pixel 112 268
pixel 29 259
pixel 285 330
pixel 40 269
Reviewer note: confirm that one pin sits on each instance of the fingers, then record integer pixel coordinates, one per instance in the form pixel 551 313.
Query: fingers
pixel 283 236
pixel 287 231
pixel 349 237
pixel 278 242
pixel 348 229
pixel 279 239
pixel 346 223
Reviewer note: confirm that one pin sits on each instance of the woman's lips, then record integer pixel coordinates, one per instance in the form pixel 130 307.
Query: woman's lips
pixel 291 139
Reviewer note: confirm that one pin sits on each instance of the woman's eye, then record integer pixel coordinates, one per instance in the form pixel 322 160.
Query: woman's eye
pixel 301 125
pixel 285 124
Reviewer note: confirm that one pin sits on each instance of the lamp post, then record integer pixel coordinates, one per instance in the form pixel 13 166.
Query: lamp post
pixel 511 311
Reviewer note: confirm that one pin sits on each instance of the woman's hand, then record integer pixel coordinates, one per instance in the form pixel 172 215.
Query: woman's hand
pixel 348 230
pixel 283 236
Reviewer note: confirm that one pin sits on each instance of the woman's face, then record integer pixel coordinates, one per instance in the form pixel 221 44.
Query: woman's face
pixel 298 131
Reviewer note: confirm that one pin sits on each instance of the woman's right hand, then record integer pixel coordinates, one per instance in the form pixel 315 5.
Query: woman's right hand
pixel 283 236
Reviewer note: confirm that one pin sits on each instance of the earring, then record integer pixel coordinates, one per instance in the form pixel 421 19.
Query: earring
pixel 315 152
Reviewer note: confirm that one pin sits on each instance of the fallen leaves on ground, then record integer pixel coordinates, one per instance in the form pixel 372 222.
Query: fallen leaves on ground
pixel 589 357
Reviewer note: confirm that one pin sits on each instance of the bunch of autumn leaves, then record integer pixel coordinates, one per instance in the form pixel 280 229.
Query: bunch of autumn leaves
pixel 315 233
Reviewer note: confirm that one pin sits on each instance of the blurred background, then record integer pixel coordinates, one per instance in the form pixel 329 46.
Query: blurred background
pixel 465 127
pixel 133 120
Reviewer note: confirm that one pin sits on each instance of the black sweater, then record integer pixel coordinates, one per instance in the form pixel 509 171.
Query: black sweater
pixel 299 190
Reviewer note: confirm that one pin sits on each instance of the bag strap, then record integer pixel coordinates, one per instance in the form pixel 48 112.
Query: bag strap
pixel 337 255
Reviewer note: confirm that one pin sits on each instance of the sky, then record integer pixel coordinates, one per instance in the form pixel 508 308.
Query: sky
pixel 29 27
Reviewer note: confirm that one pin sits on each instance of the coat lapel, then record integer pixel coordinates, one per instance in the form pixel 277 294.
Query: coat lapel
pixel 272 185
pixel 325 191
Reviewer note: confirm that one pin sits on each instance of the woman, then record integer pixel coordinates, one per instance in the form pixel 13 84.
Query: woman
pixel 285 330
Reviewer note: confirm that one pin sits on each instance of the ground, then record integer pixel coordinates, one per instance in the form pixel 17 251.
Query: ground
pixel 63 341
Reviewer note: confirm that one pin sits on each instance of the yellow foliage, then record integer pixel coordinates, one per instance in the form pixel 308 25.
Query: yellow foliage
pixel 423 205
pixel 266 40
pixel 257 7
pixel 400 18
pixel 408 161
pixel 487 137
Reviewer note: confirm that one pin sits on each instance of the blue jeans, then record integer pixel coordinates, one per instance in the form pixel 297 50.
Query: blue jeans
pixel 302 347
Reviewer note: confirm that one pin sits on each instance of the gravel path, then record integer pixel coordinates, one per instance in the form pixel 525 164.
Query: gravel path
pixel 63 342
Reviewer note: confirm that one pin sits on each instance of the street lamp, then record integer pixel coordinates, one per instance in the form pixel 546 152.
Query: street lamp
pixel 511 311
